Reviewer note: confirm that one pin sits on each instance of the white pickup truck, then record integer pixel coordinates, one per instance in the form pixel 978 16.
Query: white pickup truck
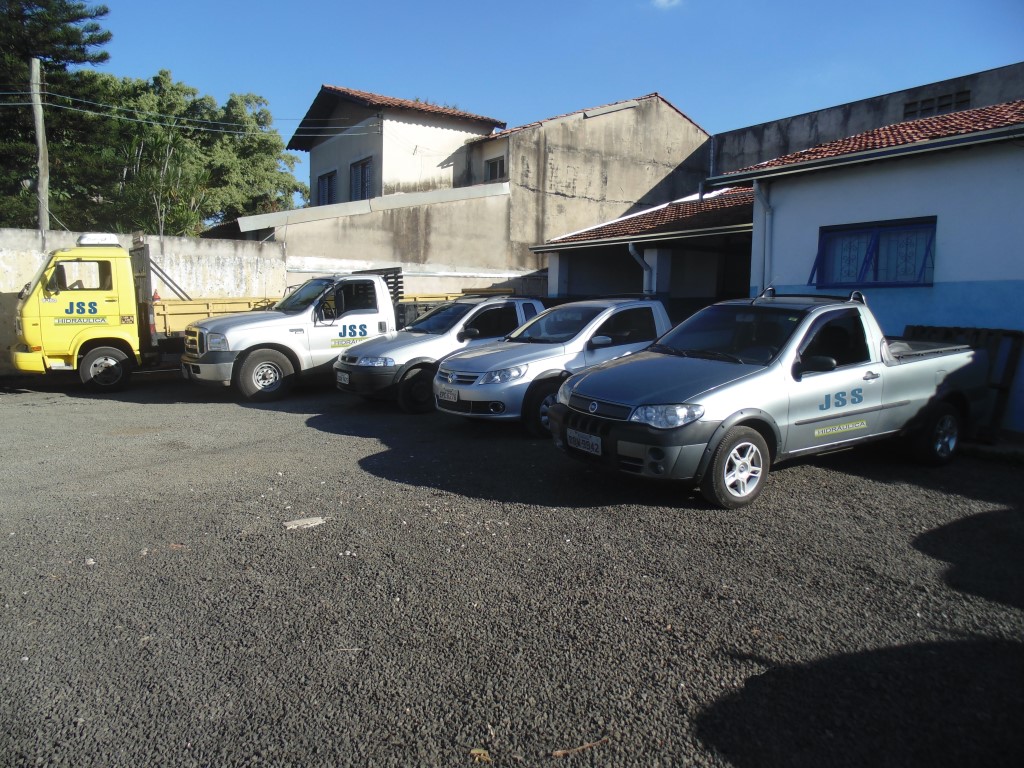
pixel 261 353
pixel 402 364
pixel 517 378
pixel 746 383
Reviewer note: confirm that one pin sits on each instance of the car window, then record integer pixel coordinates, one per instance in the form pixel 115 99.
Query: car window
pixel 841 337
pixel 495 321
pixel 629 326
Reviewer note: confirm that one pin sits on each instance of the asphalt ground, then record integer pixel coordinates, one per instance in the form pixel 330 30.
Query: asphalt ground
pixel 474 595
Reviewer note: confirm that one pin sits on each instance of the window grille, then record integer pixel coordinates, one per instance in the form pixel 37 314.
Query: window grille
pixel 888 253
pixel 327 188
pixel 361 178
pixel 494 169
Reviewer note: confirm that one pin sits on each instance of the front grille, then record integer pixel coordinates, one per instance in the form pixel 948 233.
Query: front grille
pixel 447 376
pixel 195 341
pixel 599 408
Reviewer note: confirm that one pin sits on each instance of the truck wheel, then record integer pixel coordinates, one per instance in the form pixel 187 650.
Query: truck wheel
pixel 416 391
pixel 536 405
pixel 939 438
pixel 738 470
pixel 266 374
pixel 105 369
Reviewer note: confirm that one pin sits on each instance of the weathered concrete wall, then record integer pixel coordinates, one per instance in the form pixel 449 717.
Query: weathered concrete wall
pixel 757 143
pixel 203 268
pixel 419 151
pixel 574 172
pixel 467 235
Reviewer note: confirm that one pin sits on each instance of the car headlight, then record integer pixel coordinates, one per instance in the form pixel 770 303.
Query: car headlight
pixel 217 342
pixel 502 375
pixel 565 392
pixel 376 362
pixel 667 416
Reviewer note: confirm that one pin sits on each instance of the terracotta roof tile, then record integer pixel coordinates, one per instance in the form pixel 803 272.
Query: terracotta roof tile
pixel 904 134
pixel 376 100
pixel 727 207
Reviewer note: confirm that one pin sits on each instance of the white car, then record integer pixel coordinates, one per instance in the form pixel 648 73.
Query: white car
pixel 517 378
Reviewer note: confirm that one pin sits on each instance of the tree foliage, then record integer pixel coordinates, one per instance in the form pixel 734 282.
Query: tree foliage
pixel 128 154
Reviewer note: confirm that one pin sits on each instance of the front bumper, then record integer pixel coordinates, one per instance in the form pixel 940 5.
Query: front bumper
pixel 483 401
pixel 635 449
pixel 365 379
pixel 27 362
pixel 210 368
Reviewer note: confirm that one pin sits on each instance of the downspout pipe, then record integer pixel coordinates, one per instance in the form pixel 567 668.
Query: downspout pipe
pixel 762 192
pixel 647 268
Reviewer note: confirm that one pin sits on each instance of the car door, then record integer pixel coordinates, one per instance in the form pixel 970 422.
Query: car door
pixel 630 330
pixel 830 407
pixel 491 323
pixel 77 299
pixel 344 317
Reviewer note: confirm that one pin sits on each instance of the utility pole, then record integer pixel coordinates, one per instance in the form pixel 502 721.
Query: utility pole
pixel 43 187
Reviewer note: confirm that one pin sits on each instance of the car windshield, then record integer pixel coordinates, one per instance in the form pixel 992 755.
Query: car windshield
pixel 304 296
pixel 735 333
pixel 556 325
pixel 440 319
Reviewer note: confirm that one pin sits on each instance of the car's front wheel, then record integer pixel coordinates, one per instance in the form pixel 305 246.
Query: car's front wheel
pixel 738 470
pixel 266 374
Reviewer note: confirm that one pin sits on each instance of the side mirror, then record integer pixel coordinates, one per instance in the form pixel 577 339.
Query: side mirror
pixel 600 341
pixel 468 333
pixel 814 364
pixel 23 293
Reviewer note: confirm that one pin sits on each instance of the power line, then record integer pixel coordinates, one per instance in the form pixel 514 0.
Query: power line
pixel 182 123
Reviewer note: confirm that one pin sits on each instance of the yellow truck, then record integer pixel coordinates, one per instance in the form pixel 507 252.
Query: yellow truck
pixel 91 309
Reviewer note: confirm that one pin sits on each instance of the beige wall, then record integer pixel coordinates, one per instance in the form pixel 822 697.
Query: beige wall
pixel 203 268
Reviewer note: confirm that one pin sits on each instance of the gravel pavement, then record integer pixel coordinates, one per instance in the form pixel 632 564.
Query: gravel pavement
pixel 472 595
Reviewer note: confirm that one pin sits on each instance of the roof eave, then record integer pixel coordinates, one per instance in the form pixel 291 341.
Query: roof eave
pixel 682 234
pixel 1008 133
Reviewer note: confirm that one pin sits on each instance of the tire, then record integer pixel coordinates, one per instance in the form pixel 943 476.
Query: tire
pixel 535 407
pixel 738 470
pixel 416 391
pixel 939 439
pixel 105 369
pixel 266 374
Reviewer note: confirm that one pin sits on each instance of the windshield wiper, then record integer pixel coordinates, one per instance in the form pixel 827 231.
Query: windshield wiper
pixel 667 350
pixel 712 354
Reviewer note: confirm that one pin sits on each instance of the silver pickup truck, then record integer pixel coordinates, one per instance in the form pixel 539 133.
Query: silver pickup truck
pixel 743 384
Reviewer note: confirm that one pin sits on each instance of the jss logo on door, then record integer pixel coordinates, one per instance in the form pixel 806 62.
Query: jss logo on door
pixel 842 399
pixel 81 308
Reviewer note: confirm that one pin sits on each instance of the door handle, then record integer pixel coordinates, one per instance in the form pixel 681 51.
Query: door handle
pixel 871 376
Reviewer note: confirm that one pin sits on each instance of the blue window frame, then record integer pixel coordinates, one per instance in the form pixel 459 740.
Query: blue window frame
pixel 891 253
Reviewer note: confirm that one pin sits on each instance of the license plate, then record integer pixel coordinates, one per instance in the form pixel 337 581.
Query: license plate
pixel 448 395
pixel 583 442
pixel 342 377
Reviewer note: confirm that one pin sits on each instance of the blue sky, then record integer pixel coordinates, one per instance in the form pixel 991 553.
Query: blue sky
pixel 725 63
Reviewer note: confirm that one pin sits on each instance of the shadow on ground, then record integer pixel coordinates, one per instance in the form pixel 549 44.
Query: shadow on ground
pixel 936 705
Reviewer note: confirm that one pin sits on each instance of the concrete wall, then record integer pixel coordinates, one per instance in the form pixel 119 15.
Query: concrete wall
pixel 757 143
pixel 203 268
pixel 419 152
pixel 979 243
pixel 574 172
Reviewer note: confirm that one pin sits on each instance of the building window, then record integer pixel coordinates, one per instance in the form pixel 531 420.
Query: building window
pixel 940 105
pixel 494 170
pixel 360 176
pixel 886 253
pixel 327 188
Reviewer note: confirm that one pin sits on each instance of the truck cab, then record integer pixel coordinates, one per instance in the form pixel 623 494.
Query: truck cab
pixel 81 313
pixel 401 365
pixel 262 353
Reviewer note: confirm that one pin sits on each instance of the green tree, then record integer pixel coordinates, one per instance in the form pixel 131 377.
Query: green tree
pixel 60 34
pixel 128 154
